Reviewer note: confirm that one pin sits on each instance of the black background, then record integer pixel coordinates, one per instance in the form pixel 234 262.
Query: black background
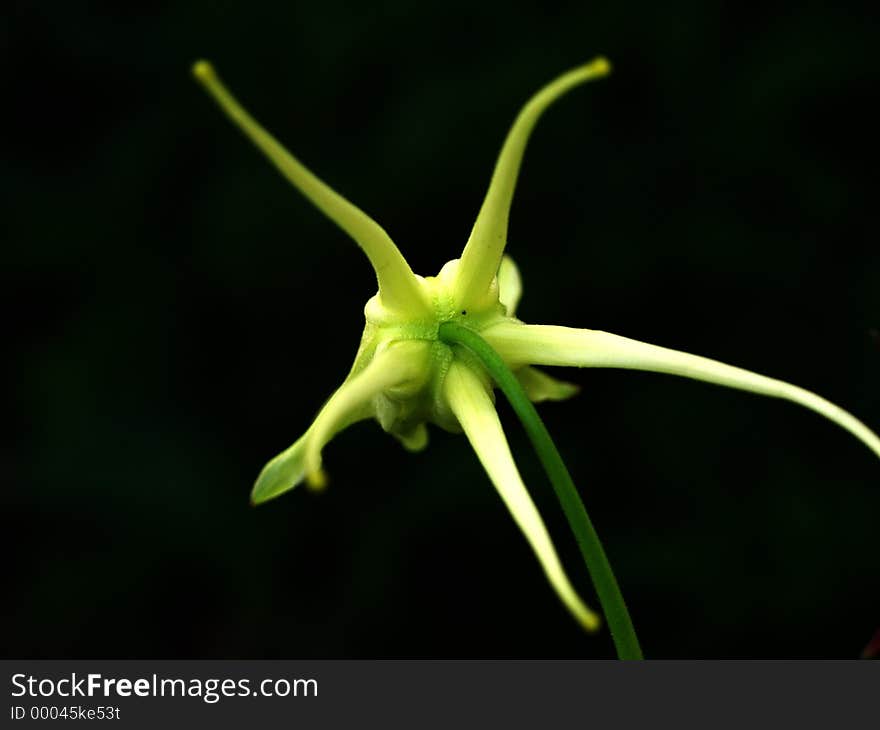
pixel 176 314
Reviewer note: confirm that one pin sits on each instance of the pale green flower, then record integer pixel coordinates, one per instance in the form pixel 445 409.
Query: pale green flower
pixel 404 377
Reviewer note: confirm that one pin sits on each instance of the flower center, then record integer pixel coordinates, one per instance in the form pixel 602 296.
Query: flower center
pixel 439 292
pixel 401 408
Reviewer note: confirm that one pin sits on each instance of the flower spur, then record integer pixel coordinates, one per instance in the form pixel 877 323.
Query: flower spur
pixel 404 374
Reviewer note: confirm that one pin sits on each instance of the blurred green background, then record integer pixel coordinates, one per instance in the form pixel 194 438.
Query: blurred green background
pixel 176 314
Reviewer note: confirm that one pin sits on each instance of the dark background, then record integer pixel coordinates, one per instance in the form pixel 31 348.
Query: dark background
pixel 176 314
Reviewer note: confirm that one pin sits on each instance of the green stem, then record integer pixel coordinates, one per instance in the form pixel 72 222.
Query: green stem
pixel 616 613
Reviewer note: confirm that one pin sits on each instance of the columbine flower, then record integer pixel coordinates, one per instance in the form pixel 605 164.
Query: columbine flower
pixel 405 377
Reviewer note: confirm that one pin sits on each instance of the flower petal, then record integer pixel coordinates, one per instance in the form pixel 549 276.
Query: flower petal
pixel 282 473
pixel 521 344
pixel 288 469
pixel 482 254
pixel 472 405
pixel 400 365
pixel 540 387
pixel 415 439
pixel 509 285
pixel 398 287
pixel 352 402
